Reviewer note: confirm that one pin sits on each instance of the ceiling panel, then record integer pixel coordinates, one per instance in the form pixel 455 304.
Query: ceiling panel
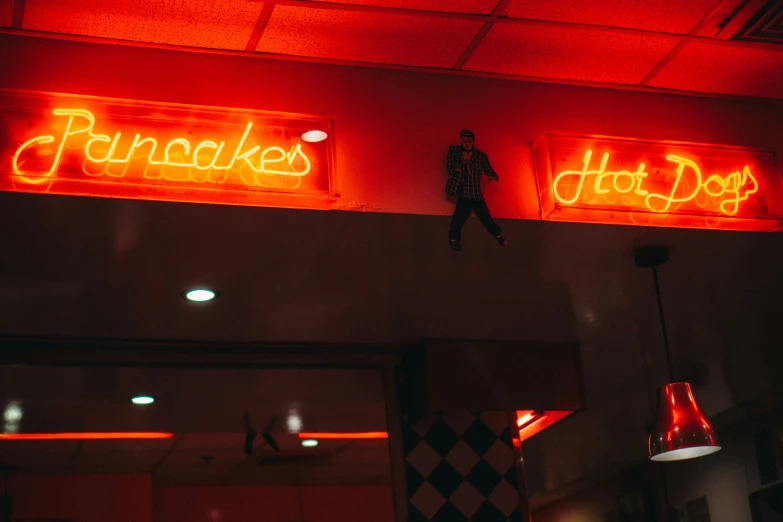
pixel 217 24
pixel 574 54
pixel 366 37
pixel 671 16
pixel 726 70
pixel 6 12
pixel 716 23
pixel 449 6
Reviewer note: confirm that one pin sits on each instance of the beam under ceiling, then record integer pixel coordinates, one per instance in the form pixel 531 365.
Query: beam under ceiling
pixel 258 30
pixel 473 45
pixel 680 46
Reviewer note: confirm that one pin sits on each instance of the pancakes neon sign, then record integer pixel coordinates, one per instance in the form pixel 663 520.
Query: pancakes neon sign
pixel 110 148
pixel 657 183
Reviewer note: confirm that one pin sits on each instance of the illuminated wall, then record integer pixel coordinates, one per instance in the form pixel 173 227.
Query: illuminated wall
pixel 392 128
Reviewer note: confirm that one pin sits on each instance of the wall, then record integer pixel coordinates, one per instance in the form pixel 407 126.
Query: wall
pixel 132 498
pixel 726 479
pixel 83 498
pixel 273 504
pixel 392 127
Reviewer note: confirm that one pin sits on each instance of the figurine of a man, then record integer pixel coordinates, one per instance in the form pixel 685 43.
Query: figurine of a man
pixel 466 165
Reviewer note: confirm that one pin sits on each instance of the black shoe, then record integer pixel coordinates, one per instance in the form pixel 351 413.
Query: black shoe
pixel 455 245
pixel 501 241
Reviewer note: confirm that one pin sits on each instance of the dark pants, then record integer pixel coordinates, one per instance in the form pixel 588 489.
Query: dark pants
pixel 462 213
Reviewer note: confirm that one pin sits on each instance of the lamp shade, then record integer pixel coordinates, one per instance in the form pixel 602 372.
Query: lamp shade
pixel 681 430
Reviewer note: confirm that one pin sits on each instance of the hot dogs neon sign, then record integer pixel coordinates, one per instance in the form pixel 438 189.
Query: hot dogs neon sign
pixel 75 145
pixel 615 180
pixel 729 191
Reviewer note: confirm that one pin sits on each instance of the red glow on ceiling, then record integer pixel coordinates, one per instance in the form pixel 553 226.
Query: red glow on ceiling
pixel 87 435
pixel 532 422
pixel 346 436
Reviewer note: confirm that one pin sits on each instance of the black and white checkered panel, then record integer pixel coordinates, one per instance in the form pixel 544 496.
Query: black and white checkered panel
pixel 460 467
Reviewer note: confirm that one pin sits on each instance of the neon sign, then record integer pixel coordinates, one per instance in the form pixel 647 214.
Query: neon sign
pixel 114 148
pixel 657 183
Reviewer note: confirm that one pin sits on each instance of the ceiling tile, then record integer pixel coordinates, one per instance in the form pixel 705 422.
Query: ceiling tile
pixel 671 16
pixel 6 12
pixel 714 26
pixel 217 24
pixel 448 6
pixel 573 54
pixel 366 37
pixel 724 69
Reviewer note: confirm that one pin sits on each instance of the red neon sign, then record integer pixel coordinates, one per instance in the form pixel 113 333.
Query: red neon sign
pixel 112 148
pixel 532 422
pixel 611 180
pixel 345 435
pixel 86 436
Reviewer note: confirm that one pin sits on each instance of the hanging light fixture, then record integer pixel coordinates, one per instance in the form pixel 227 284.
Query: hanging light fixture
pixel 680 431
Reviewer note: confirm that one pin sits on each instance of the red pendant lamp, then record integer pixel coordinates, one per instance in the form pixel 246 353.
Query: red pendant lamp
pixel 681 431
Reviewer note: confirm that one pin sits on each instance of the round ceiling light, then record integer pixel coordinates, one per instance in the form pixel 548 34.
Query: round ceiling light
pixel 199 295
pixel 142 399
pixel 314 136
pixel 309 443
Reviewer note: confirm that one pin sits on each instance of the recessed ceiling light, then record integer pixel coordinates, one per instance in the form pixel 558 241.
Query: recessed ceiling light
pixel 309 443
pixel 314 136
pixel 199 295
pixel 142 399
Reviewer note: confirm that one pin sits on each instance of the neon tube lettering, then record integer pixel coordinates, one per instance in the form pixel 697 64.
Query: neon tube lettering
pixel 176 154
pixel 731 190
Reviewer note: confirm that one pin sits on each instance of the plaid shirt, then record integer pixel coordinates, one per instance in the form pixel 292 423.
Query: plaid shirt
pixel 467 183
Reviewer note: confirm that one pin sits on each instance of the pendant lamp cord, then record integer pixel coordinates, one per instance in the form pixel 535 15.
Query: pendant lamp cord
pixel 671 379
pixel 663 325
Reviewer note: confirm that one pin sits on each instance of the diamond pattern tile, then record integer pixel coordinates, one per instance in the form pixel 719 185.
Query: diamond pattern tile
pixel 497 421
pixel 459 421
pixel 500 457
pixel 413 478
pixel 411 436
pixel 459 483
pixel 441 438
pixel 462 457
pixel 424 459
pixel 449 513
pixel 445 479
pixel 467 499
pixel 484 478
pixel 427 500
pixel 489 513
pixel 505 497
pixel 396 39
pixel 414 515
pixel 479 437
pixel 423 425
pixel 216 24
